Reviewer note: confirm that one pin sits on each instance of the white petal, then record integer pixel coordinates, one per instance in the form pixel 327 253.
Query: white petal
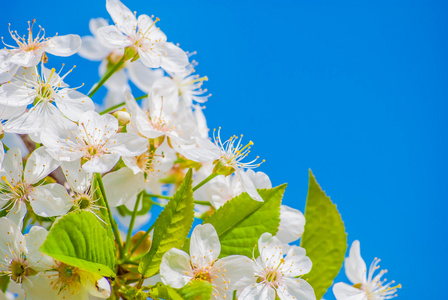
pixel 39 165
pixel 17 213
pixel 122 16
pixel 343 291
pixel 64 45
pixel 78 179
pixel 295 289
pixel 111 36
pixel 258 291
pixel 98 127
pixel 72 103
pixel 175 59
pixel 260 179
pixel 31 121
pixel 101 164
pixel 355 267
pixel 204 245
pixel 92 49
pixel 127 144
pixel 175 269
pixel 122 186
pixel 100 288
pixel 34 239
pixel 239 270
pixel 96 23
pixel 39 287
pixel 14 95
pixel 11 237
pixel 50 200
pixel 8 112
pixel 27 58
pixel 248 186
pixel 142 76
pixel 292 224
pixel 147 27
pixel 203 151
pixel 270 250
pixel 13 166
pixel 150 58
pixel 296 262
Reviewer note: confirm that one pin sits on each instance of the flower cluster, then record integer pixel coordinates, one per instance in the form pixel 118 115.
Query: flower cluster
pixel 132 154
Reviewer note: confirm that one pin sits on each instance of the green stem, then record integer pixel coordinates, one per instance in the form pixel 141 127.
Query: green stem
pixel 202 202
pixel 112 108
pixel 131 224
pixel 159 196
pixel 115 230
pixel 106 76
pixel 120 105
pixel 213 175
pixel 142 238
pixel 141 97
pixel 5 147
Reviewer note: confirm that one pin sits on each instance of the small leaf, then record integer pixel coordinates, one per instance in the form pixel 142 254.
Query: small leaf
pixel 196 290
pixel 171 227
pixel 79 240
pixel 4 281
pixel 241 221
pixel 161 291
pixel 324 238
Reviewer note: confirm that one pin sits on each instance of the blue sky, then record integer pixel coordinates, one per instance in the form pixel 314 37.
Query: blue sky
pixel 354 90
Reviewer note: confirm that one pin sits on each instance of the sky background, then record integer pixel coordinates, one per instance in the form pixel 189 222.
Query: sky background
pixel 356 91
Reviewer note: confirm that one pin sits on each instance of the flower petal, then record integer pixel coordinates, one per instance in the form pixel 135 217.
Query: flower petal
pixel 50 200
pixel 122 16
pixel 174 59
pixel 64 45
pixel 248 185
pixel 72 103
pixel 142 76
pixel 39 165
pixel 295 288
pixel 26 58
pixel 92 49
pixel 122 186
pixel 204 245
pixel 258 291
pixel 112 37
pixel 292 224
pixel 343 291
pixel 175 269
pixel 355 267
pixel 127 144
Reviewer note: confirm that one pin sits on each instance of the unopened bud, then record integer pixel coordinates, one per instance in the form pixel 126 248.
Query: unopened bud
pixel 144 246
pixel 122 116
pixel 222 168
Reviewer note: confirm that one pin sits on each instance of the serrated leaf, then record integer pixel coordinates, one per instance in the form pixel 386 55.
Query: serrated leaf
pixel 79 240
pixel 241 221
pixel 196 290
pixel 171 227
pixel 324 238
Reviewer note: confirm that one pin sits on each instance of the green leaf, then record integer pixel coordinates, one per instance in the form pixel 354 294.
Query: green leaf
pixel 79 240
pixel 241 221
pixel 4 281
pixel 196 290
pixel 161 291
pixel 324 238
pixel 171 227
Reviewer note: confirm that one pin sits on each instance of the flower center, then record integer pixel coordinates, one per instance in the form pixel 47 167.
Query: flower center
pixel 68 278
pixel 203 275
pixel 31 43
pixel 15 193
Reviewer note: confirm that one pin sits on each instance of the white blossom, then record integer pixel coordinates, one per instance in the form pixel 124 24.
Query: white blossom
pixel 226 274
pixel 30 50
pixel 142 36
pixel 279 275
pixel 366 285
pixel 95 140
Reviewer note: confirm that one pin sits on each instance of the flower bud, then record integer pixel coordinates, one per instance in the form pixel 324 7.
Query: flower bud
pixel 122 116
pixel 222 168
